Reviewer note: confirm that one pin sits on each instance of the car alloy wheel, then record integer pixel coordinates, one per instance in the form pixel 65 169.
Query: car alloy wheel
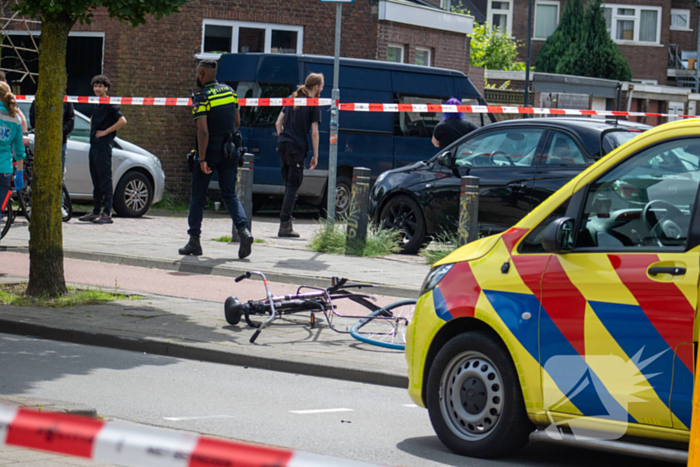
pixel 471 395
pixel 136 195
pixel 402 217
pixel 342 198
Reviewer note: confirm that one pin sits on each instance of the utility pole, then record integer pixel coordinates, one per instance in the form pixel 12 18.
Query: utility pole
pixel 527 59
pixel 335 97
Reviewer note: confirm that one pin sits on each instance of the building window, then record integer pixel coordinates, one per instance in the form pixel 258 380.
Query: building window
pixel 394 53
pixel 546 19
pixel 220 36
pixel 629 23
pixel 422 56
pixel 500 15
pixel 680 20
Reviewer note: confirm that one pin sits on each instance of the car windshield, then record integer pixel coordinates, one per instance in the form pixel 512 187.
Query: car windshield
pixel 614 139
pixel 512 147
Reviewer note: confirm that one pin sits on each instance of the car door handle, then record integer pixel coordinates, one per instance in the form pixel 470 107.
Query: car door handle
pixel 255 150
pixel 674 271
pixel 517 186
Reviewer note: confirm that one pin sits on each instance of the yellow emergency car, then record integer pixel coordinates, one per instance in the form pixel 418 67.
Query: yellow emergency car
pixel 577 324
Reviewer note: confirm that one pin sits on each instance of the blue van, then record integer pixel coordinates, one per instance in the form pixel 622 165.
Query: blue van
pixel 378 141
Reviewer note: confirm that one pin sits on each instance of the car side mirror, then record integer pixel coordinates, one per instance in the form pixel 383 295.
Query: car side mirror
pixel 558 237
pixel 445 159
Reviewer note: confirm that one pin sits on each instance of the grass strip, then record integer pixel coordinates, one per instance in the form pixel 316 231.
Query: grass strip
pixel 15 295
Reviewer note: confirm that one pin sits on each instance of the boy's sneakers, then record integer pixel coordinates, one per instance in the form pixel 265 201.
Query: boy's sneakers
pixel 89 217
pixel 103 219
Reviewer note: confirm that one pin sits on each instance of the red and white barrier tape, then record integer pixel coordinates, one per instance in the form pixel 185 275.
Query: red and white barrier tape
pixel 140 446
pixel 360 107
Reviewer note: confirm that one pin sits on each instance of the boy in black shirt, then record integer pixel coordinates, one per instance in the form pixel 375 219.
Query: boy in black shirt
pixel 105 121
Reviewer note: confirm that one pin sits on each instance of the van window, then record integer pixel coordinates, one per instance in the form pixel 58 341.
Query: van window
pixel 260 116
pixel 422 124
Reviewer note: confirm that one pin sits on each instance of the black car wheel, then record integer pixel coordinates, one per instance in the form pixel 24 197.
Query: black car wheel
pixel 474 398
pixel 403 213
pixel 133 195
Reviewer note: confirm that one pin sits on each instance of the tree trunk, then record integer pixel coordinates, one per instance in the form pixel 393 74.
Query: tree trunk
pixel 45 230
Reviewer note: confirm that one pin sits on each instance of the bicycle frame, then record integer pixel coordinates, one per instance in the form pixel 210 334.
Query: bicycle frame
pixel 316 299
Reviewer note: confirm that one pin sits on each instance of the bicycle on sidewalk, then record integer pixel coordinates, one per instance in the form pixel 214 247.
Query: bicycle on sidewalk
pixel 383 326
pixel 25 194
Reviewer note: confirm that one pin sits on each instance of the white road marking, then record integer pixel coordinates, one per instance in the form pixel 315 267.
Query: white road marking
pixel 410 405
pixel 205 417
pixel 320 411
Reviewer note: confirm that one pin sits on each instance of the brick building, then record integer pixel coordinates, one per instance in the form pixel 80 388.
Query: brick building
pixel 158 59
pixel 647 31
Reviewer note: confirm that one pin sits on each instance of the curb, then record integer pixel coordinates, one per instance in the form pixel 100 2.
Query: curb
pixel 186 352
pixel 183 266
pixel 48 405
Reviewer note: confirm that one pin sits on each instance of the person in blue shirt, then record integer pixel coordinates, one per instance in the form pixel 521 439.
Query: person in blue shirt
pixel 10 141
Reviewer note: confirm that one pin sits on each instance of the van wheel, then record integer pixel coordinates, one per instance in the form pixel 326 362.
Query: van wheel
pixel 133 195
pixel 403 213
pixel 343 196
pixel 474 398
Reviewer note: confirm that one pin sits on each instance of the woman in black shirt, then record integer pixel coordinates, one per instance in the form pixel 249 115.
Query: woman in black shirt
pixel 452 127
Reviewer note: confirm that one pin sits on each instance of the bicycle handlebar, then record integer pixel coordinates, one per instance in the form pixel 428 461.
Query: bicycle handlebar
pixel 243 276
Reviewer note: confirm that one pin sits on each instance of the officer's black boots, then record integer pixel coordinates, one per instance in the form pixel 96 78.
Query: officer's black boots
pixel 287 230
pixel 245 242
pixel 193 247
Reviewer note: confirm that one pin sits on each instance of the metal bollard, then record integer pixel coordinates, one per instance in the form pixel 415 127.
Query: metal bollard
pixel 468 230
pixel 244 192
pixel 359 203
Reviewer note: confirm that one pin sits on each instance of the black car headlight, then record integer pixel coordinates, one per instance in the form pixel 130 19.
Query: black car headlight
pixel 435 276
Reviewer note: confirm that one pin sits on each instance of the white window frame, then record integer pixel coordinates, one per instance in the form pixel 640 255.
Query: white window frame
pixel 508 13
pixel 534 23
pixel 685 13
pixel 637 19
pixel 237 25
pixel 425 49
pixel 396 46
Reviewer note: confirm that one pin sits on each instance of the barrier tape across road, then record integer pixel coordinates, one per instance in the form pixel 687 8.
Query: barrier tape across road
pixel 141 446
pixel 362 107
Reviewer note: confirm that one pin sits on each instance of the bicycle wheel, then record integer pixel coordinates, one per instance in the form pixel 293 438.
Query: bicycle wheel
pixel 7 218
pixel 25 194
pixel 25 201
pixel 67 205
pixel 385 327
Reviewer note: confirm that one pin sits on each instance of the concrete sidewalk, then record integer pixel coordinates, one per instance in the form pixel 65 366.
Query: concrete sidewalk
pixel 153 241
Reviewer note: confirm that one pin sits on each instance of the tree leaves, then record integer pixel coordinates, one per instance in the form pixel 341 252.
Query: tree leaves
pixel 582 46
pixel 127 11
pixel 493 49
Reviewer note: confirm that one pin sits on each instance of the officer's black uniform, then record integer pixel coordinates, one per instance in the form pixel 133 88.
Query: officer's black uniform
pixel 218 103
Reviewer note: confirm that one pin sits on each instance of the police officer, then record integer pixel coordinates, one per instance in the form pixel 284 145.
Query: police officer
pixel 216 114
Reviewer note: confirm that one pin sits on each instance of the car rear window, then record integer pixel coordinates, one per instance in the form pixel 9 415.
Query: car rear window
pixel 614 139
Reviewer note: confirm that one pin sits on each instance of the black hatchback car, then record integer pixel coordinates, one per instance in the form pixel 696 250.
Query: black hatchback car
pixel 519 164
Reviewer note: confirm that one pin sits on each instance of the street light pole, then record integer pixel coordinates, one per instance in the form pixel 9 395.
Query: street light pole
pixel 527 59
pixel 335 97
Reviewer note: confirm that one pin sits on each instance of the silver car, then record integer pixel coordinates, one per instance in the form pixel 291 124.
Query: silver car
pixel 137 175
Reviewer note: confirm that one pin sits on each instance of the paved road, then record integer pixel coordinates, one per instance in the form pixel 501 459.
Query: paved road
pixel 358 421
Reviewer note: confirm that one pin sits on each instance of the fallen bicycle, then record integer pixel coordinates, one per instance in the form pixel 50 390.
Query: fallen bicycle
pixel 383 326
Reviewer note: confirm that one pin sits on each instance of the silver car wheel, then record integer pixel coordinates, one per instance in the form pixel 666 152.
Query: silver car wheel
pixel 342 198
pixel 471 396
pixel 135 195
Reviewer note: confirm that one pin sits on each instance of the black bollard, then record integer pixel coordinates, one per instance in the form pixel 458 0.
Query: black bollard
pixel 468 230
pixel 244 192
pixel 359 204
